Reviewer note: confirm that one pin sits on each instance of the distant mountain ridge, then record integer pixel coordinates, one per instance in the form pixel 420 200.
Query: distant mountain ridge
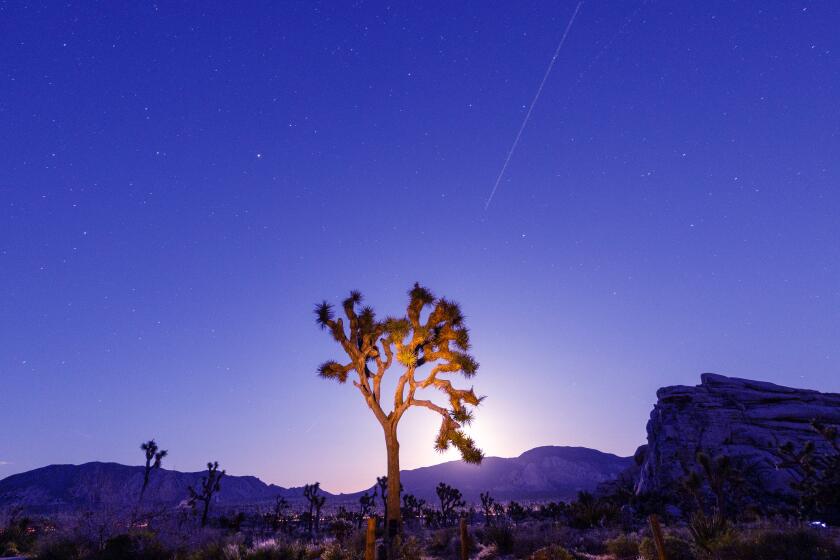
pixel 543 473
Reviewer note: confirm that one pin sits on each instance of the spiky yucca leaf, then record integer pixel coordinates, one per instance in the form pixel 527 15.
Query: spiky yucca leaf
pixel 407 357
pixel 367 320
pixel 397 328
pixel 333 370
pixel 463 416
pixel 451 312
pixel 466 363
pixel 462 339
pixel 324 314
pixel 465 444
pixel 420 294
pixel 693 481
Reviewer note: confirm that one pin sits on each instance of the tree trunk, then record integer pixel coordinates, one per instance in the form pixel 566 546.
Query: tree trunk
pixel 392 446
pixel 205 512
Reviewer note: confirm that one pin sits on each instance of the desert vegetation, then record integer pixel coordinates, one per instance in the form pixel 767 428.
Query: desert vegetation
pixel 589 527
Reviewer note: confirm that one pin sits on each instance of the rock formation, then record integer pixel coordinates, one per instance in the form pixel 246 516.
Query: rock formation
pixel 746 420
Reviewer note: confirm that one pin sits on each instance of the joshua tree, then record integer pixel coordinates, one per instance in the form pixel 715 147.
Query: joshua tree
pixel 412 506
pixel 316 502
pixel 210 484
pixel 516 512
pixel 153 459
pixel 382 483
pixel 719 475
pixel 817 474
pixel 450 499
pixel 487 503
pixel 278 515
pixel 438 339
pixel 366 503
pixel 552 510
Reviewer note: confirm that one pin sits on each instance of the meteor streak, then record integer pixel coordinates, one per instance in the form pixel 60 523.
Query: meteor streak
pixel 531 108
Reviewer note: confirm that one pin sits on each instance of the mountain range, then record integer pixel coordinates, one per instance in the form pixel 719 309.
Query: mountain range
pixel 541 474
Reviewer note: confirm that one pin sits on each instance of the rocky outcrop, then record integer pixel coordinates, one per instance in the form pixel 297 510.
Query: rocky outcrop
pixel 746 420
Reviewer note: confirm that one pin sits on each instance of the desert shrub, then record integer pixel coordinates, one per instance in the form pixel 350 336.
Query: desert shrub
pixel 334 551
pixel 623 547
pixel 312 551
pixel 63 549
pixel 527 543
pixel 796 544
pixel 140 546
pixel 675 549
pixel 356 542
pixel 219 550
pixel 587 512
pixel 446 543
pixel 410 549
pixel 341 529
pixel 501 536
pixel 9 549
pixel 16 538
pixel 709 531
pixel 551 552
pixel 278 551
pixel 440 541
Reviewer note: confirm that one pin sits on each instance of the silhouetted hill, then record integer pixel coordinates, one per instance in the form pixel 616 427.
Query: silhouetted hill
pixel 544 473
pixel 111 485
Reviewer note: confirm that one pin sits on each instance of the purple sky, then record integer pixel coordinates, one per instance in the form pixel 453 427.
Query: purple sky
pixel 179 187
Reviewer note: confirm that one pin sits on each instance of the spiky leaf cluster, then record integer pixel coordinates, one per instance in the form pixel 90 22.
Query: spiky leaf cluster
pixel 154 456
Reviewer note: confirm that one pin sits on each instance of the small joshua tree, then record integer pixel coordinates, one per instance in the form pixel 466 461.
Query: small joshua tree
pixel 817 481
pixel 153 460
pixel 366 504
pixel 487 503
pixel 718 474
pixel 516 512
pixel 552 510
pixel 316 502
pixel 210 485
pixel 439 339
pixel 382 484
pixel 450 500
pixel 278 514
pixel 412 506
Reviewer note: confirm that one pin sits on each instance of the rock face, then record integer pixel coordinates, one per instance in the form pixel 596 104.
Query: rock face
pixel 746 420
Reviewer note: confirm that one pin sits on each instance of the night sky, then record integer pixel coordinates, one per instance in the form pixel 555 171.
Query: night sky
pixel 180 184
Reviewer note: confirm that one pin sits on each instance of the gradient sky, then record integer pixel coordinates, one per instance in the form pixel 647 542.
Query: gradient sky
pixel 180 184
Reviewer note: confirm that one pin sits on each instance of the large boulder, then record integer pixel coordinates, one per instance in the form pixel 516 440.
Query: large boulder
pixel 746 420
